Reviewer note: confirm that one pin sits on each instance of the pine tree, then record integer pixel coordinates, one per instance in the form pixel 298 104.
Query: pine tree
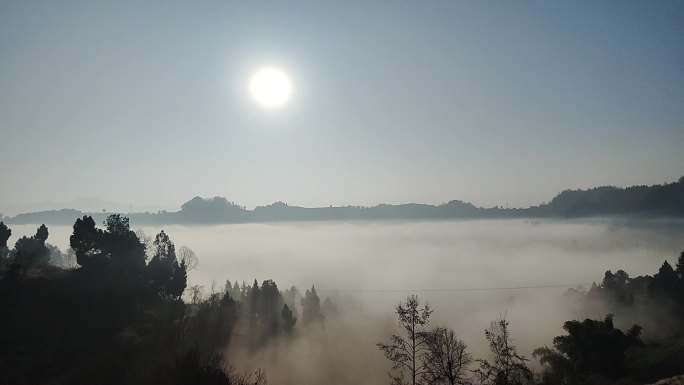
pixel 5 233
pixel 680 265
pixel 664 282
pixel 164 273
pixel 311 307
pixel 289 320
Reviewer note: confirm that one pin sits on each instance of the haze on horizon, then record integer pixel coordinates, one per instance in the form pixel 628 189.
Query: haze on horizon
pixel 493 104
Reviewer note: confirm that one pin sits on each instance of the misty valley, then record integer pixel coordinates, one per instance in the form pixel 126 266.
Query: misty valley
pixel 353 192
pixel 312 302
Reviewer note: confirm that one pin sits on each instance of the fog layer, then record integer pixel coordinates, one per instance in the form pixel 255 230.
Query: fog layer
pixel 366 268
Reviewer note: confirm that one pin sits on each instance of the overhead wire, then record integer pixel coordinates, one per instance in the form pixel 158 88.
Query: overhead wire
pixel 450 289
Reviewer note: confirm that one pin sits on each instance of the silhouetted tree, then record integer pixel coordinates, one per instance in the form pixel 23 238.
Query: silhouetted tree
pixel 591 347
pixel 164 273
pixel 269 307
pixel 179 280
pixel 116 224
pixel 31 251
pixel 409 353
pixel 447 359
pixel 252 299
pixel 117 249
pixel 507 367
pixel 123 249
pixel 289 320
pixel 665 282
pixel 617 285
pixel 86 241
pixel 42 233
pixel 5 233
pixel 680 264
pixel 311 307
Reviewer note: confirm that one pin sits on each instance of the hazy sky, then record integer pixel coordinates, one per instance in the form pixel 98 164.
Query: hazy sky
pixel 488 102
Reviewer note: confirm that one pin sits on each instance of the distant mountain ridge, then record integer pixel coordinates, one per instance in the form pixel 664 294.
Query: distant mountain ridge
pixel 85 204
pixel 665 200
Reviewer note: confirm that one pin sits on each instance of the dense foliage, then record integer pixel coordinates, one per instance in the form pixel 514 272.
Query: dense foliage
pixel 113 320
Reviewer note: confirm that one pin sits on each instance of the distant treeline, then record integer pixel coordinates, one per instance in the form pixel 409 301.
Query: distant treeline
pixel 665 200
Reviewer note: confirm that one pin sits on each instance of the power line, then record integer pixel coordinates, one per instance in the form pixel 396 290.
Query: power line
pixel 449 290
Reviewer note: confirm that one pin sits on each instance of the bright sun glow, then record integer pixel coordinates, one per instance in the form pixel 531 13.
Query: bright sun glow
pixel 270 87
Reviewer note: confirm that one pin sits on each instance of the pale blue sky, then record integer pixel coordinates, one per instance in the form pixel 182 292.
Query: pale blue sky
pixel 489 102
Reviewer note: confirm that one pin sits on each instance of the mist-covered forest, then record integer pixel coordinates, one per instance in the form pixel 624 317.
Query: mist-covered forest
pixel 117 307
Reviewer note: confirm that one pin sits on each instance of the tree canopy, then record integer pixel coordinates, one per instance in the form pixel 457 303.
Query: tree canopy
pixel 591 347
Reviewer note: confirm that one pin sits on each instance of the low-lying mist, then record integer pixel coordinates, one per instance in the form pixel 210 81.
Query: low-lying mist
pixel 470 272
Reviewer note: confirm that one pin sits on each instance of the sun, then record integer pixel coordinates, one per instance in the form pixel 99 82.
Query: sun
pixel 270 87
